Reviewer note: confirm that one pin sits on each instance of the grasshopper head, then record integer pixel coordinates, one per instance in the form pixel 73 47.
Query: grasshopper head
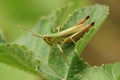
pixel 48 39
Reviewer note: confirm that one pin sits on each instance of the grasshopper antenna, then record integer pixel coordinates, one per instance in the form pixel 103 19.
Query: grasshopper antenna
pixel 33 33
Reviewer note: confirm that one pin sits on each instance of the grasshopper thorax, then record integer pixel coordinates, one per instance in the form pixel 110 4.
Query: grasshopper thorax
pixel 53 40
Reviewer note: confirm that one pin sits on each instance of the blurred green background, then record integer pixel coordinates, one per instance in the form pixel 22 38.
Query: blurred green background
pixel 103 48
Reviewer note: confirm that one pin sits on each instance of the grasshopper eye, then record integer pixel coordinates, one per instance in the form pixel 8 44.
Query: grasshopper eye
pixel 47 39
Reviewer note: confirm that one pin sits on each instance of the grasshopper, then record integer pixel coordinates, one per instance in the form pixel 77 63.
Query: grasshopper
pixel 65 36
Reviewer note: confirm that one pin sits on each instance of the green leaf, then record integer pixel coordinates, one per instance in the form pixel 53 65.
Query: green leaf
pixel 20 57
pixel 65 67
pixel 104 72
pixel 58 18
pixel 98 14
pixel 77 66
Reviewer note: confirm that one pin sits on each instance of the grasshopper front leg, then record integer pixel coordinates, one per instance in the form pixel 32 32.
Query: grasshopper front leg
pixel 61 50
pixel 59 28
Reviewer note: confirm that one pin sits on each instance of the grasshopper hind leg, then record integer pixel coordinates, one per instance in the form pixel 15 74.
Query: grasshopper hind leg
pixel 69 39
pixel 84 20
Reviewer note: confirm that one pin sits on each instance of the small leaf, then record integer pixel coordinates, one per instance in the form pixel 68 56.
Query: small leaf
pixel 77 66
pixel 58 18
pixel 20 57
pixel 105 72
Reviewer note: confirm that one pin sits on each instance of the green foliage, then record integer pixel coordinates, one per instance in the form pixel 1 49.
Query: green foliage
pixel 47 62
pixel 2 37
pixel 20 57
pixel 58 18
pixel 105 72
